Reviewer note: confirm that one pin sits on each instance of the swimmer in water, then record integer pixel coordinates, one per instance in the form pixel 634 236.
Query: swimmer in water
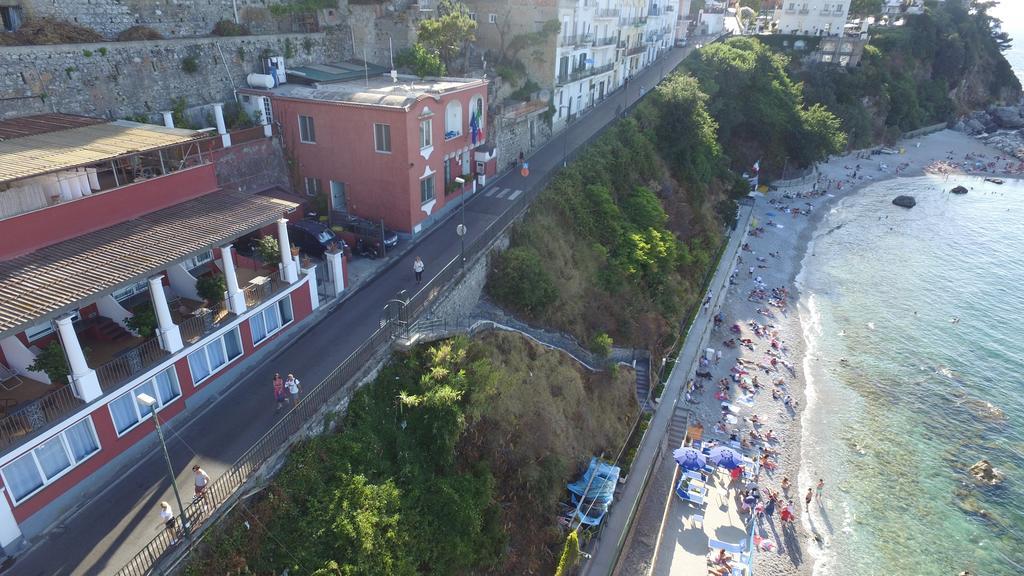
pixel 954 320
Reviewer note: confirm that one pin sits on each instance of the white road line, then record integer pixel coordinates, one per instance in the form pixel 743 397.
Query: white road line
pixel 490 191
pixel 503 192
pixel 515 195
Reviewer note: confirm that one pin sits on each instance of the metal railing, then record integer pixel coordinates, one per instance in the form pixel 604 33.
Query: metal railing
pixel 636 50
pixel 129 363
pixel 585 73
pixel 606 41
pixel 195 327
pixel 607 13
pixel 256 294
pixel 28 420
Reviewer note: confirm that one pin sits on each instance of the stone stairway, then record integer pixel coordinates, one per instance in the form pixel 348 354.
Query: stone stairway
pixel 643 384
pixel 677 428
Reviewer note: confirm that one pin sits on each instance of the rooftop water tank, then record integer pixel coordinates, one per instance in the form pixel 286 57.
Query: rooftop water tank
pixel 264 81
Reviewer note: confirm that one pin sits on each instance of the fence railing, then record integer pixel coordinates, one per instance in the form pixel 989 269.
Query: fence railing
pixel 129 363
pixel 607 13
pixel 195 327
pixel 27 420
pixel 256 294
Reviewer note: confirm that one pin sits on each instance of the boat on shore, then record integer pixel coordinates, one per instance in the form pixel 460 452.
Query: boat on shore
pixel 994 180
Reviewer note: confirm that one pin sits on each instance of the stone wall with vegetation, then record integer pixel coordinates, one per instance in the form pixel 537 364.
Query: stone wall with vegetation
pixel 122 79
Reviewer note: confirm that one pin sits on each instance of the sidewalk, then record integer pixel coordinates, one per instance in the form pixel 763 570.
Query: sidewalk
pixel 606 557
pixel 115 524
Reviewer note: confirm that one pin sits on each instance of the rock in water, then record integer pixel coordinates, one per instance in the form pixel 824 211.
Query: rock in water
pixel 984 472
pixel 959 190
pixel 904 201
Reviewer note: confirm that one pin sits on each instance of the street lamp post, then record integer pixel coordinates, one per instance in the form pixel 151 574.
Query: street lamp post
pixel 461 229
pixel 565 137
pixel 150 402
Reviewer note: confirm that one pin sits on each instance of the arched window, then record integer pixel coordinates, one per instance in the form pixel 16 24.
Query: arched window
pixel 453 120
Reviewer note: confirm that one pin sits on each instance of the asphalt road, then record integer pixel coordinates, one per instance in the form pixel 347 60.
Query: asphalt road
pixel 111 528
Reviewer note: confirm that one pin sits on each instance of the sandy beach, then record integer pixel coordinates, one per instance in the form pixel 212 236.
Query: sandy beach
pixel 783 226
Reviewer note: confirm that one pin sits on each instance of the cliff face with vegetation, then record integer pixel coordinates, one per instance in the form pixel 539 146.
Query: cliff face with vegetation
pixel 451 462
pixel 938 65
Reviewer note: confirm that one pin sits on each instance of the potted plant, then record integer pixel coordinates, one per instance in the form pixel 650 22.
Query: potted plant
pixel 268 249
pixel 51 361
pixel 211 288
pixel 142 321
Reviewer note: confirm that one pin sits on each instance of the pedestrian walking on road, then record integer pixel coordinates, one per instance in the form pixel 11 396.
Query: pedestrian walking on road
pixel 279 393
pixel 292 384
pixel 718 357
pixel 417 267
pixel 202 479
pixel 169 522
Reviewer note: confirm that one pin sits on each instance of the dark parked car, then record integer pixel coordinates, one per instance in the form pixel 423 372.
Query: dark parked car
pixel 313 238
pixel 368 230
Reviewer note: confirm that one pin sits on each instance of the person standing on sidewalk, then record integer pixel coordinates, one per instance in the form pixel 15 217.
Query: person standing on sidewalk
pixel 169 522
pixel 279 393
pixel 417 268
pixel 202 480
pixel 292 384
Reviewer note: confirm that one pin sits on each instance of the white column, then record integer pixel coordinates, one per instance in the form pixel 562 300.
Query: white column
pixel 168 119
pixel 236 300
pixel 289 272
pixel 170 334
pixel 314 294
pixel 9 530
pixel 335 267
pixel 218 116
pixel 84 378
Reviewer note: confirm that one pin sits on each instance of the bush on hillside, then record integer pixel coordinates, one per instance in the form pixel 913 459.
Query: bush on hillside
pixel 229 28
pixel 40 31
pixel 518 279
pixel 139 33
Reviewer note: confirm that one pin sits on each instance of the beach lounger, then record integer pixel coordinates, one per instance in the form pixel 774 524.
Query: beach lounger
pixel 731 548
pixel 695 476
pixel 698 521
pixel 690 497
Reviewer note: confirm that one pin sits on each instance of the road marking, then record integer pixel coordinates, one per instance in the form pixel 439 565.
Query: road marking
pixel 515 195
pixel 503 192
pixel 490 191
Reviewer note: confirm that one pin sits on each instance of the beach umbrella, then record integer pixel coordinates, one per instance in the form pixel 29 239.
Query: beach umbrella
pixel 689 458
pixel 725 457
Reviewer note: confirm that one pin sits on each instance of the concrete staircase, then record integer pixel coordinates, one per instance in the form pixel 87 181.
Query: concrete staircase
pixel 677 428
pixel 643 384
pixel 107 329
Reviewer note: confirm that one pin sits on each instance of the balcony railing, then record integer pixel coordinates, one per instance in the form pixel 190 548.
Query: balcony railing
pixel 609 41
pixel 129 363
pixel 584 73
pixel 257 293
pixel 805 11
pixel 36 416
pixel 636 50
pixel 196 326
pixel 629 21
pixel 607 13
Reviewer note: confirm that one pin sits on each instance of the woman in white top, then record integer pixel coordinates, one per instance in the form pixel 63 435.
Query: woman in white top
pixel 170 524
pixel 292 385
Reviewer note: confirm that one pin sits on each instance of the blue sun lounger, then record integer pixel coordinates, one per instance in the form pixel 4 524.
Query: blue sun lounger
pixel 731 548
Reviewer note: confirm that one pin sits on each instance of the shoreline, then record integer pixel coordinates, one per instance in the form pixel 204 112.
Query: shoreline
pixel 786 249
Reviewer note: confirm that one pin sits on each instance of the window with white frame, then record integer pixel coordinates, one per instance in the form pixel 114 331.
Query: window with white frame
pixel 212 357
pixel 382 137
pixel 50 460
pixel 307 132
pixel 45 328
pixel 427 189
pixel 126 411
pixel 313 186
pixel 198 260
pixel 492 18
pixel 472 16
pixel 426 136
pixel 268 321
pixel 129 291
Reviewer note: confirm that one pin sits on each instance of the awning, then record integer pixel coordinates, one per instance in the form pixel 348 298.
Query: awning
pixel 52 151
pixel 62 276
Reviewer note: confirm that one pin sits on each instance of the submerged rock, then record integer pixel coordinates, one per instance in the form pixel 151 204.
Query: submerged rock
pixel 959 190
pixel 904 201
pixel 984 472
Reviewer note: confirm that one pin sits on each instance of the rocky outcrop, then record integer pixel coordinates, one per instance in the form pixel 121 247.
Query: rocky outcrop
pixel 985 473
pixel 959 190
pixel 1007 116
pixel 904 201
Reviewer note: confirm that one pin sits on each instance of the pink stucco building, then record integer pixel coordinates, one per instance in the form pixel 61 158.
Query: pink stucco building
pixel 383 148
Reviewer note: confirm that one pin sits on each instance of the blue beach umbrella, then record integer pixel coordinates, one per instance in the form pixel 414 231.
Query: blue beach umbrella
pixel 689 458
pixel 725 457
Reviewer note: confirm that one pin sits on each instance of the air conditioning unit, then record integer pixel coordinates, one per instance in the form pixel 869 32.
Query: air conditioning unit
pixel 274 66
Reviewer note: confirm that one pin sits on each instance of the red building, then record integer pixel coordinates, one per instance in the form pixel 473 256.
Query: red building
pixel 110 235
pixel 381 148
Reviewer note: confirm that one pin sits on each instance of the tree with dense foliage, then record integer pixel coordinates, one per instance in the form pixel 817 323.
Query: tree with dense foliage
pixel 447 34
pixel 422 61
pixel 760 110
pixel 865 7
pixel 517 277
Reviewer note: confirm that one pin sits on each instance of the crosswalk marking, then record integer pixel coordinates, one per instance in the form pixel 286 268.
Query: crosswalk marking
pixel 490 191
pixel 503 192
pixel 515 195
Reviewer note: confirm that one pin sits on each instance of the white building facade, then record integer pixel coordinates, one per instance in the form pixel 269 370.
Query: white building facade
pixel 813 17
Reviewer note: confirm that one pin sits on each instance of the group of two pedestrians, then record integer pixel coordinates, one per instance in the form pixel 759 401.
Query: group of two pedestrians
pixel 286 390
pixel 201 480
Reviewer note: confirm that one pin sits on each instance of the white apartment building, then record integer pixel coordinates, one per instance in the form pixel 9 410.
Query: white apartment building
pixel 813 17
pixel 600 44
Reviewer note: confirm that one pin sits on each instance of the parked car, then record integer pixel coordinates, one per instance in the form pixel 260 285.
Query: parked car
pixel 367 230
pixel 313 238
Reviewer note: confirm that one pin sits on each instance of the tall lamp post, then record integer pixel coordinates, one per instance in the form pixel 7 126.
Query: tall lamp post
pixel 150 402
pixel 461 228
pixel 565 137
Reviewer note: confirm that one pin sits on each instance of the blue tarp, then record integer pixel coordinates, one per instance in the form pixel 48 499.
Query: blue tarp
pixel 597 489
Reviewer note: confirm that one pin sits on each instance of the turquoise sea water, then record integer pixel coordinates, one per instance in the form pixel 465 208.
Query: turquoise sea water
pixel 919 399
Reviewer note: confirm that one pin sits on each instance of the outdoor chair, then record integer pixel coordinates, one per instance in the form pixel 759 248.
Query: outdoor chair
pixel 7 374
